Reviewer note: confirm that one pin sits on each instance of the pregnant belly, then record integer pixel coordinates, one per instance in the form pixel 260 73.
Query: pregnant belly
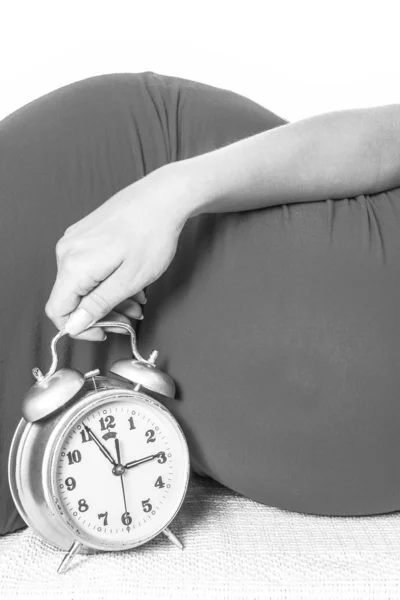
pixel 280 327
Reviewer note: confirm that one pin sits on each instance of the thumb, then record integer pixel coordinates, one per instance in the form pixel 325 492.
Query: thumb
pixel 100 301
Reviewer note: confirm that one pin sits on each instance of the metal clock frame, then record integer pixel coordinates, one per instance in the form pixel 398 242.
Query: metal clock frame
pixel 53 447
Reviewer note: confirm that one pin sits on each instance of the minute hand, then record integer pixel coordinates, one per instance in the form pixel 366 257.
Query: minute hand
pixel 134 463
pixel 102 448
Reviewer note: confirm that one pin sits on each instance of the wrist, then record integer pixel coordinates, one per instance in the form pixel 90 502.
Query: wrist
pixel 195 185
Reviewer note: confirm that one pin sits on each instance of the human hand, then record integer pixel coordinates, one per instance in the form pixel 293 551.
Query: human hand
pixel 113 253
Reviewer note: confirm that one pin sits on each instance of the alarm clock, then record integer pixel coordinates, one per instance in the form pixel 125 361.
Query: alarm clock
pixel 99 462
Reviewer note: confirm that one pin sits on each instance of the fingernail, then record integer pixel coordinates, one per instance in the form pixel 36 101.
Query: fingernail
pixel 78 321
pixel 139 318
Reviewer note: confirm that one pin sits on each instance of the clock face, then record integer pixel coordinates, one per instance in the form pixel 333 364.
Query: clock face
pixel 120 472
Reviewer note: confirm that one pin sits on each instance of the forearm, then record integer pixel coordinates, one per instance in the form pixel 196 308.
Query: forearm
pixel 333 155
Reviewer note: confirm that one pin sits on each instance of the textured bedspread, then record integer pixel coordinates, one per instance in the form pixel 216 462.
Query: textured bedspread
pixel 234 548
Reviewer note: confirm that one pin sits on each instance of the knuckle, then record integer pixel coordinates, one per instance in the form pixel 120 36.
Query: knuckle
pixel 68 262
pixel 61 246
pixel 100 302
pixel 49 311
pixel 69 229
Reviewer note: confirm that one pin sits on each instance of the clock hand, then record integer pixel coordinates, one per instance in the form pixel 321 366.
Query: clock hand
pixel 134 463
pixel 117 450
pixel 121 478
pixel 102 448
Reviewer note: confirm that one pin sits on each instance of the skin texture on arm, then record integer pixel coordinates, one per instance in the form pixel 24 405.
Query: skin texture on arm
pixel 332 155
pixel 129 241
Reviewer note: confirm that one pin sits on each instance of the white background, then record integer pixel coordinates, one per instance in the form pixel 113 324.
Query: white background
pixel 297 58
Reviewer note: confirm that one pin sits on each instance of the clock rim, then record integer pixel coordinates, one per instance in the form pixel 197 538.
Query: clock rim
pixel 67 421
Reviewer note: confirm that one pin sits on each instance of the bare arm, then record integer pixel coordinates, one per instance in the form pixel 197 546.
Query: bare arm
pixel 333 155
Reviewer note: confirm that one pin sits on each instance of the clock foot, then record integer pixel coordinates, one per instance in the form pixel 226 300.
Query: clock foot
pixel 167 532
pixel 76 546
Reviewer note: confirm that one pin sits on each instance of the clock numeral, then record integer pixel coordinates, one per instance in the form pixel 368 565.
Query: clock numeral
pixel 74 457
pixel 150 435
pixel 162 458
pixel 70 483
pixel 146 505
pixel 106 423
pixel 103 516
pixel 85 436
pixel 82 506
pixel 159 483
pixel 126 519
pixel 109 421
pixel 131 423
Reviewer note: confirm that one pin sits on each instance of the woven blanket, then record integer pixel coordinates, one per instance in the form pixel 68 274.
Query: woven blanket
pixel 234 548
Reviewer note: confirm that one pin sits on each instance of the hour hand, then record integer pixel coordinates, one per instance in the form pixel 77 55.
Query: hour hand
pixel 134 463
pixel 102 448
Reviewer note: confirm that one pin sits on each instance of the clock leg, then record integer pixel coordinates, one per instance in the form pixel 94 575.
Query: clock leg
pixel 167 532
pixel 76 546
